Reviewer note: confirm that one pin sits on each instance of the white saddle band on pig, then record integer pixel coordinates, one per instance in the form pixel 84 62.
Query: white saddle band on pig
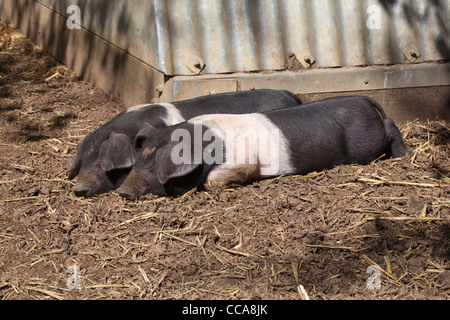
pixel 255 147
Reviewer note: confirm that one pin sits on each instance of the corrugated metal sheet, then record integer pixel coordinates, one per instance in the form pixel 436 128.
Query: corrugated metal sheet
pixel 127 24
pixel 247 35
pixel 184 37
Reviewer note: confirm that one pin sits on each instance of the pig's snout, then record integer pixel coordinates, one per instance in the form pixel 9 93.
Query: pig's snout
pixel 126 192
pixel 82 189
pixel 134 186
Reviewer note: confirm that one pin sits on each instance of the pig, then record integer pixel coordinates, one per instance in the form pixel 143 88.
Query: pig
pixel 292 140
pixel 106 156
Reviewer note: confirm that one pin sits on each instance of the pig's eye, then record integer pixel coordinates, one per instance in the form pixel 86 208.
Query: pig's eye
pixel 139 141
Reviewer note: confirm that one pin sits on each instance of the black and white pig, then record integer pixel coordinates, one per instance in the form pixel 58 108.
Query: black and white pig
pixel 106 156
pixel 224 149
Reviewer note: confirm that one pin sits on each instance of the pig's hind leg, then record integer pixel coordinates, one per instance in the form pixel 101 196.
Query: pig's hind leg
pixel 395 145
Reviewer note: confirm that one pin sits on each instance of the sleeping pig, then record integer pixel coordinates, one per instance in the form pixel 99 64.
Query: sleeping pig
pixel 106 156
pixel 221 149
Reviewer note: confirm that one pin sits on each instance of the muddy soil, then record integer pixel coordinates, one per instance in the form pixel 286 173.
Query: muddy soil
pixel 378 231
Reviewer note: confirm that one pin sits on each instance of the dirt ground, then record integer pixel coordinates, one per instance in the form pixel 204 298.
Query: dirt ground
pixel 323 231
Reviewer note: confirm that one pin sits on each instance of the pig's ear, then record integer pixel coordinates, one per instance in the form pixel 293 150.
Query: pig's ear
pixel 117 153
pixel 143 135
pixel 167 170
pixel 76 165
